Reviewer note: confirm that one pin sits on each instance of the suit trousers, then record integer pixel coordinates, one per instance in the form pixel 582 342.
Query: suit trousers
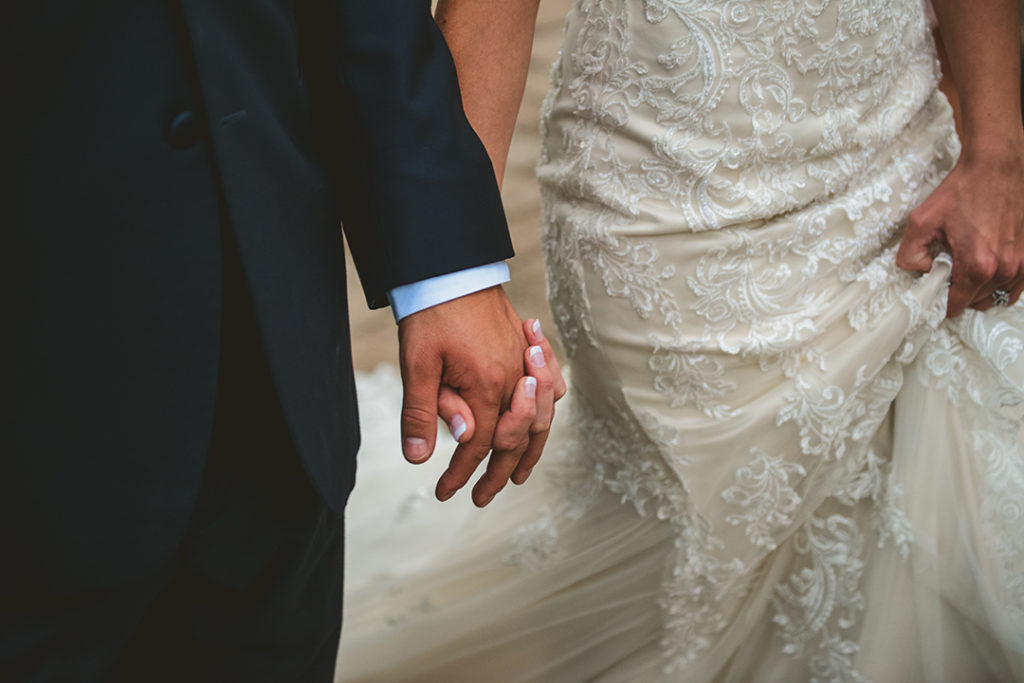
pixel 253 591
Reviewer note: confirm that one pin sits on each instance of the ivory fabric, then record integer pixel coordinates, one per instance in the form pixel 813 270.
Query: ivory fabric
pixel 780 461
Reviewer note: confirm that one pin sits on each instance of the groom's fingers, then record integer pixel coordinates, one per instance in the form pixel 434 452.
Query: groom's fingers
pixel 477 343
pixel 511 439
pixel 421 380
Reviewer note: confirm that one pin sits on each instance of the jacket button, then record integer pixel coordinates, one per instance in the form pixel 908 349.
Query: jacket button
pixel 183 131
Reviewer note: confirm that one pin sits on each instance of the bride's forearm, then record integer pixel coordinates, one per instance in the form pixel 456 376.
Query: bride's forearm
pixel 490 41
pixel 982 40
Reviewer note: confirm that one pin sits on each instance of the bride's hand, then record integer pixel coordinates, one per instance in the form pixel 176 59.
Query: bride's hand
pixel 977 214
pixel 523 429
pixel 542 365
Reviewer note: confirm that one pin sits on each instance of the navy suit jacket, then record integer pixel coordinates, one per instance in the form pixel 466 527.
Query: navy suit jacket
pixel 130 127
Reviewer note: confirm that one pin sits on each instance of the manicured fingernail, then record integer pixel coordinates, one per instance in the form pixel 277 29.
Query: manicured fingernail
pixel 530 387
pixel 537 356
pixel 536 329
pixel 458 426
pixel 415 449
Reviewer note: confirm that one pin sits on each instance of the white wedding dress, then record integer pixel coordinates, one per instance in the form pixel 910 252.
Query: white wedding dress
pixel 778 461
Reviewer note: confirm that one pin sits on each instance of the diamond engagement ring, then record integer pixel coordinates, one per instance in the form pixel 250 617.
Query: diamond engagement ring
pixel 1001 297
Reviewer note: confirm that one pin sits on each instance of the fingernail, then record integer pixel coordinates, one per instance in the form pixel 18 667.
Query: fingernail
pixel 445 494
pixel 536 330
pixel 530 387
pixel 537 356
pixel 458 426
pixel 415 449
pixel 527 475
pixel 488 499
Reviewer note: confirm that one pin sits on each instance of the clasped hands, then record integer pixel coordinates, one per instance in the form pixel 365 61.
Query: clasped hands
pixel 491 377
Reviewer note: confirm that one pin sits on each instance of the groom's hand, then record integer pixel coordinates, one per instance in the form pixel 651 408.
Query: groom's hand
pixel 523 429
pixel 475 345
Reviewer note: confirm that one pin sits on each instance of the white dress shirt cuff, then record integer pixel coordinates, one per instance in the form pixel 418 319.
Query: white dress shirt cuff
pixel 412 298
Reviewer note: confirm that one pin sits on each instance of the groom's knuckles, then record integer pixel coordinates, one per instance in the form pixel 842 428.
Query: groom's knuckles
pixel 482 397
pixel 480 367
pixel 514 440
pixel 494 384
pixel 418 356
pixel 513 431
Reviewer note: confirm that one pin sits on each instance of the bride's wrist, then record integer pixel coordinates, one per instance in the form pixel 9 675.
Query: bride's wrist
pixel 995 152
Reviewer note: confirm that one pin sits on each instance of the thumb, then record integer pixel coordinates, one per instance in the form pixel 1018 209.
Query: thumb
pixel 421 379
pixel 921 242
pixel 456 413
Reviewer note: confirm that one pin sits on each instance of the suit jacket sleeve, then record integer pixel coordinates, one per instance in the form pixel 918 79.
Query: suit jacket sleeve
pixel 416 187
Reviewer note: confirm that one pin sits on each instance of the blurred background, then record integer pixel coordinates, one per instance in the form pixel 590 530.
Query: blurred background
pixel 374 333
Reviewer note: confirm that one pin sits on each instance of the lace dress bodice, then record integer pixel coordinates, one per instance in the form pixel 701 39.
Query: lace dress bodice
pixel 725 185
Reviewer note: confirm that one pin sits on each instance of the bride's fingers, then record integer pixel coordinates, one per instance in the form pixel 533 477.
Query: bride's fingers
pixel 456 413
pixel 511 438
pixel 535 336
pixel 916 252
pixel 984 299
pixel 536 366
pixel 1016 291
